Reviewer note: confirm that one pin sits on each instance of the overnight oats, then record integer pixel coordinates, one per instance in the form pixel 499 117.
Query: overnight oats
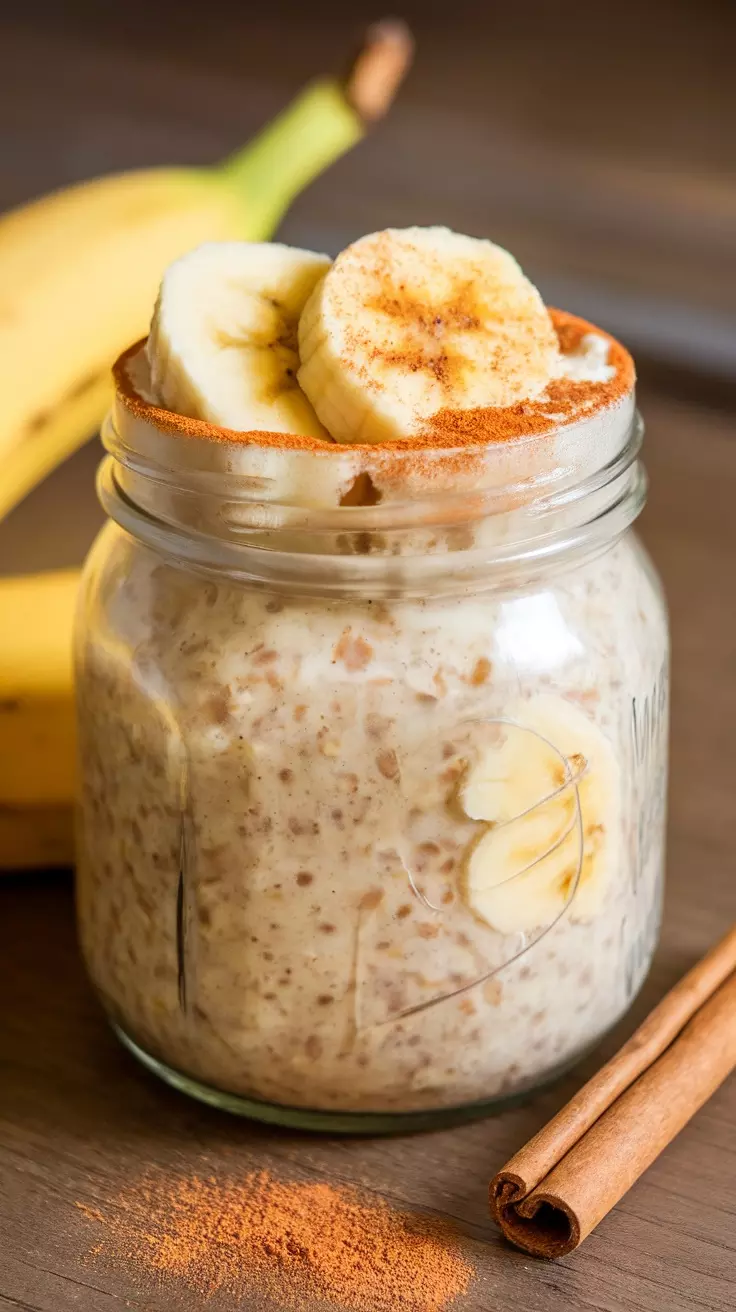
pixel 372 682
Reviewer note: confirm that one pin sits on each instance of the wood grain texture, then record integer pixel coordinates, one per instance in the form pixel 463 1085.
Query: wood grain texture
pixel 78 1118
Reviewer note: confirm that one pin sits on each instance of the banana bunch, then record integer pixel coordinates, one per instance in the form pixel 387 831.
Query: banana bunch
pixel 80 270
pixel 547 792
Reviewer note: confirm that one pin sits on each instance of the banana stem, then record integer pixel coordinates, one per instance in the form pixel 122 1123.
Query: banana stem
pixel 380 68
pixel 309 134
pixel 319 126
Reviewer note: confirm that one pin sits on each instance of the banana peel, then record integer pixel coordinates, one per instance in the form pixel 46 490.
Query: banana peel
pixel 37 731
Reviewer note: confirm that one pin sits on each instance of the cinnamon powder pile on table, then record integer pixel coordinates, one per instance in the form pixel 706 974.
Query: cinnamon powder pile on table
pixel 294 1241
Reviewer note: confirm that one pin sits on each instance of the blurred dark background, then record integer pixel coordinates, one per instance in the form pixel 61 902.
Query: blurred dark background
pixel 596 141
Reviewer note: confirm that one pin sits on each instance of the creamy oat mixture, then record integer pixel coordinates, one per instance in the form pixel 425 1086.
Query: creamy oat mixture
pixel 298 760
pixel 373 786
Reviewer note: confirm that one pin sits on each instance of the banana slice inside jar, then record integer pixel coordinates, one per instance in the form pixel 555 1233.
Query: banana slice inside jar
pixel 548 793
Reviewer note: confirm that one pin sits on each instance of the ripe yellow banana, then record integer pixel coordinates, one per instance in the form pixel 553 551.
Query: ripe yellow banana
pixel 79 271
pixel 36 719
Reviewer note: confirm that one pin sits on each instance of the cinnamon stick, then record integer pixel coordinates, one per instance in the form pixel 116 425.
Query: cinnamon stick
pixel 556 1189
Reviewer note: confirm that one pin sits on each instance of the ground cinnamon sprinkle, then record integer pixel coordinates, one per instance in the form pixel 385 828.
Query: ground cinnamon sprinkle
pixel 293 1241
pixel 563 398
pixel 564 402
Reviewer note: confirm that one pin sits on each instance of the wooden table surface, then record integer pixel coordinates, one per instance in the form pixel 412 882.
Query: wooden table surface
pixel 78 1118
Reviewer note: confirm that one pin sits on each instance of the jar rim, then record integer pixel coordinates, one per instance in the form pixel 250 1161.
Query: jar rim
pixel 342 552
pixel 168 448
pixel 447 515
pixel 512 424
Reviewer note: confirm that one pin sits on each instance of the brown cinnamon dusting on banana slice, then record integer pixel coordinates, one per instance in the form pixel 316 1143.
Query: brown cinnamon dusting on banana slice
pixel 408 321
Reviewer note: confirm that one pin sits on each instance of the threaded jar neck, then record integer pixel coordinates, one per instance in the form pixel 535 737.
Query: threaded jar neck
pixel 401 523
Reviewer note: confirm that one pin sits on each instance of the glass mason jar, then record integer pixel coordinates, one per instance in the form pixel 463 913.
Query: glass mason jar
pixel 373 760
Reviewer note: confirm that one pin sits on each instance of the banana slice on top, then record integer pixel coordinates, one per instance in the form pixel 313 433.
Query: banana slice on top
pixel 223 341
pixel 548 789
pixel 411 321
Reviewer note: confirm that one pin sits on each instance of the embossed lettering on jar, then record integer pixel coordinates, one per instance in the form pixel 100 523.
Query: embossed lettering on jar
pixel 373 763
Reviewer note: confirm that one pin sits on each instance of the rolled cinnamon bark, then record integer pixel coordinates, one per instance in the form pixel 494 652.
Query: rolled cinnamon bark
pixel 552 1193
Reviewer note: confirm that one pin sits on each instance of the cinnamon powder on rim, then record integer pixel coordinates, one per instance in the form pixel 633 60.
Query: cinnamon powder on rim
pixel 564 401
pixel 292 1241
